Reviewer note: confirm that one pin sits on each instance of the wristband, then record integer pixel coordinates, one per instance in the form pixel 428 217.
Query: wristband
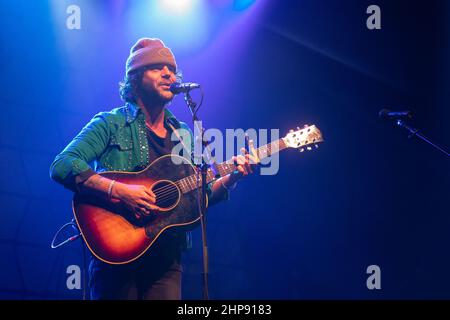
pixel 111 185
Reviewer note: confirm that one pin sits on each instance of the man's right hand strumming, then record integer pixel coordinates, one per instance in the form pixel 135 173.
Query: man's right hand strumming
pixel 137 198
pixel 140 200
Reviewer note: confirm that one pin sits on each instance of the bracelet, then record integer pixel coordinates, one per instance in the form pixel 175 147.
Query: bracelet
pixel 111 185
pixel 229 188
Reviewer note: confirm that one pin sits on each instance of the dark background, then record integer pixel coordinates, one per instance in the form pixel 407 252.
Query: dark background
pixel 368 196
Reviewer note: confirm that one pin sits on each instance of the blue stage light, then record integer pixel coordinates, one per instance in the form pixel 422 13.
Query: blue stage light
pixel 240 5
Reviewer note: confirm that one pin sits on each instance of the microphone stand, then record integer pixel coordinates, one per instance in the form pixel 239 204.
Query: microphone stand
pixel 202 203
pixel 414 132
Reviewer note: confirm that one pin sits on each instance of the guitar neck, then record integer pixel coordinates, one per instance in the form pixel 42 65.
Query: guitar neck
pixel 190 183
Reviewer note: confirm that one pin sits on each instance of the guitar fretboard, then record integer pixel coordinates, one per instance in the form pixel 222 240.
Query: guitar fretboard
pixel 191 182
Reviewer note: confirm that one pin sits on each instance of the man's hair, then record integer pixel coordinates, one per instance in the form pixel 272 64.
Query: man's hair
pixel 128 87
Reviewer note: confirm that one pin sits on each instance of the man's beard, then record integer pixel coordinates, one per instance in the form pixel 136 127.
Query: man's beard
pixel 153 96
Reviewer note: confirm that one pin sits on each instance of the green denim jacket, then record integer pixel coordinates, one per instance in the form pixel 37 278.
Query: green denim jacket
pixel 113 141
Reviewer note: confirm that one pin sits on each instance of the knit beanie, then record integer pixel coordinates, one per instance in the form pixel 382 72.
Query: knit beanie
pixel 149 51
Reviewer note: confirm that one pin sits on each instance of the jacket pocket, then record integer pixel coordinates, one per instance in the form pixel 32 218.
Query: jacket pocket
pixel 121 140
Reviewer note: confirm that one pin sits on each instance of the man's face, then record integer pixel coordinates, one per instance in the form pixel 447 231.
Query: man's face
pixel 157 80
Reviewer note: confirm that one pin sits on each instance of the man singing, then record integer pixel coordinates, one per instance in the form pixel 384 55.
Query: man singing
pixel 128 139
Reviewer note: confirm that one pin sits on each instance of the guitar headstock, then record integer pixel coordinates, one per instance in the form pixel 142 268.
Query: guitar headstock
pixel 304 138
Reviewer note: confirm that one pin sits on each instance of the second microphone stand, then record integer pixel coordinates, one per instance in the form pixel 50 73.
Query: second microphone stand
pixel 414 132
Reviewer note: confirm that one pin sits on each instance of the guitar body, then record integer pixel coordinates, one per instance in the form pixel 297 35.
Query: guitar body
pixel 115 235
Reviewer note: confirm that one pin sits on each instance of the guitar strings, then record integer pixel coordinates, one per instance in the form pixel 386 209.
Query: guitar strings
pixel 165 193
pixel 168 187
pixel 169 191
pixel 186 184
pixel 168 197
pixel 178 183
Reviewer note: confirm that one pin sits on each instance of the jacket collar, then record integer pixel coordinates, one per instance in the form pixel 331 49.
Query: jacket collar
pixel 133 111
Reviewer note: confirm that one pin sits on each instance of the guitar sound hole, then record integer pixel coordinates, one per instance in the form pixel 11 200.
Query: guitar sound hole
pixel 167 194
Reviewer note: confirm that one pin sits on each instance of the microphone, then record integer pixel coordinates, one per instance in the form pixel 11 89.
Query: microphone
pixel 388 114
pixel 178 87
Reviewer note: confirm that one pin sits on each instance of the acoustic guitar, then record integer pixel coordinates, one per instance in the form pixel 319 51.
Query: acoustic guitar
pixel 116 236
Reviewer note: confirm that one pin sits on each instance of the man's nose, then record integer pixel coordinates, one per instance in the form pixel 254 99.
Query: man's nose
pixel 166 73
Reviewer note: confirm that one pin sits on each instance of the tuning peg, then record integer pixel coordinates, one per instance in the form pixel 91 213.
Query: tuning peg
pixel 302 149
pixel 305 126
pixel 290 131
pixel 317 146
pixel 309 148
pixel 298 128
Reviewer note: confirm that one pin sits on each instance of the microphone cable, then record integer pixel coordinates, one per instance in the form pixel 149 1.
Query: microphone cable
pixel 201 101
pixel 70 239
